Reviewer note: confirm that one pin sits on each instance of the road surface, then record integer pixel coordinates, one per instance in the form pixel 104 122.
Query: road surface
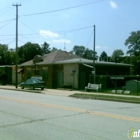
pixel 32 116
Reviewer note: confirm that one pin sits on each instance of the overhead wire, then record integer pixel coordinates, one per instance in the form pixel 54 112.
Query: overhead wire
pixel 61 32
pixel 34 31
pixel 25 37
pixel 89 40
pixel 5 24
pixel 8 20
pixel 4 12
pixel 62 9
pixel 10 42
pixel 73 30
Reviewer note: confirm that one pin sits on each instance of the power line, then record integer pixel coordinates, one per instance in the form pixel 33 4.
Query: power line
pixel 21 41
pixel 4 12
pixel 26 37
pixel 6 39
pixel 62 9
pixel 73 30
pixel 7 20
pixel 10 42
pixel 35 32
pixel 89 39
pixel 5 25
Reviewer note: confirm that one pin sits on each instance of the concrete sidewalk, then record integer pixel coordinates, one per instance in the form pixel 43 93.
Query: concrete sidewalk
pixel 62 92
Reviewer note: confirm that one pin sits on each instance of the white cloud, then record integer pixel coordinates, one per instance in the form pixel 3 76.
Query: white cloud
pixel 113 4
pixel 62 41
pixel 100 48
pixel 47 33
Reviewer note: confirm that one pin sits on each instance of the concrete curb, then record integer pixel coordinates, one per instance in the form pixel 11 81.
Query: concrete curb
pixel 118 100
pixel 23 90
pixel 127 99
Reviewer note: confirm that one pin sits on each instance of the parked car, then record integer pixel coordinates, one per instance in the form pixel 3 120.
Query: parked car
pixel 33 83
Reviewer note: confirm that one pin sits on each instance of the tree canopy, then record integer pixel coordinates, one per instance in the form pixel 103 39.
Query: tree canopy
pixel 84 52
pixel 45 48
pixel 133 43
pixel 103 56
pixel 3 50
pixel 28 51
pixel 117 55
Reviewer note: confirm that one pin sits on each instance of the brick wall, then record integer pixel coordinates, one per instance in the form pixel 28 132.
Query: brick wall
pixel 69 77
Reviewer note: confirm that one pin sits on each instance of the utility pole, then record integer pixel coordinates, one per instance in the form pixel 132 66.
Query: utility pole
pixel 94 69
pixel 16 43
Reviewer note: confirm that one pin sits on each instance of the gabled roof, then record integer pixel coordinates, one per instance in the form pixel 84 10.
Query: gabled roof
pixel 63 57
pixel 51 58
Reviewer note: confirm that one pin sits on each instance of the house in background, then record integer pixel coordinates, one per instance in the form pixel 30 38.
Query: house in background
pixel 61 69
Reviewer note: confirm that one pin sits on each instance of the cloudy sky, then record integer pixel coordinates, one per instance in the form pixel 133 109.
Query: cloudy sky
pixel 65 23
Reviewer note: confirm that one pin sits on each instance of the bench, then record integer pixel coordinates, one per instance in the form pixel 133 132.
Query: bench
pixel 95 87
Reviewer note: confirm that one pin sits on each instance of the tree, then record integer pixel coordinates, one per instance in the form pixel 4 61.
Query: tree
pixel 133 43
pixel 117 55
pixel 28 51
pixel 79 50
pixel 45 48
pixel 89 54
pixel 84 52
pixel 53 49
pixel 3 50
pixel 103 56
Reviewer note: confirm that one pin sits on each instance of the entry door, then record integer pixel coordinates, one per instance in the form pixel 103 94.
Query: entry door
pixel 59 79
pixel 82 80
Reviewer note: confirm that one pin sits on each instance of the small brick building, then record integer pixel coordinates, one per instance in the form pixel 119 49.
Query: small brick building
pixel 60 68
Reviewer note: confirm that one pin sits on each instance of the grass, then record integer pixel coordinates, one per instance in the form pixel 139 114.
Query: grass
pixel 106 97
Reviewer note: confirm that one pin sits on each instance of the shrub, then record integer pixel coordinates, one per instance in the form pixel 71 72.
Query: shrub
pixel 3 78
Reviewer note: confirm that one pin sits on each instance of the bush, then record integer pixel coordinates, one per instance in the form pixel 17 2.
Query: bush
pixel 3 78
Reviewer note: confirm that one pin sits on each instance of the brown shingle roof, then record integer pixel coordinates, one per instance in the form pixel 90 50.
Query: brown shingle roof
pixel 50 58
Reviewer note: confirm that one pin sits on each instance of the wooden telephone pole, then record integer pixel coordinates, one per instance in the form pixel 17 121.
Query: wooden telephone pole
pixel 16 43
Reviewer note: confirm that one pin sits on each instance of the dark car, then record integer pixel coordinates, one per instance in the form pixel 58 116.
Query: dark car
pixel 33 83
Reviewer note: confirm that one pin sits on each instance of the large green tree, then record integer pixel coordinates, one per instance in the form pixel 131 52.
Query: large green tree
pixel 28 51
pixel 79 50
pixel 89 54
pixel 3 50
pixel 133 43
pixel 84 52
pixel 117 55
pixel 103 56
pixel 10 57
pixel 45 48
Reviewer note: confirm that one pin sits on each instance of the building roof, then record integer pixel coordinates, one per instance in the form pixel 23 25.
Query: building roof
pixel 86 61
pixel 51 58
pixel 63 57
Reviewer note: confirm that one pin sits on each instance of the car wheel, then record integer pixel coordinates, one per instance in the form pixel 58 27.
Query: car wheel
pixel 42 88
pixel 32 87
pixel 22 87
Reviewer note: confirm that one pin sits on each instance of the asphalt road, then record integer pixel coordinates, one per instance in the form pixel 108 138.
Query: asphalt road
pixel 32 116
